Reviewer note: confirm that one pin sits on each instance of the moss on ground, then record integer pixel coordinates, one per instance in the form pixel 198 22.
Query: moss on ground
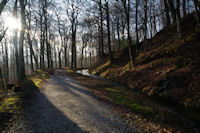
pixel 39 77
pixel 11 104
pixel 69 70
pixel 117 96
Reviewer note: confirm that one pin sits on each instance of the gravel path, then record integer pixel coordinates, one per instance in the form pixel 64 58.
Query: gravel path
pixel 64 106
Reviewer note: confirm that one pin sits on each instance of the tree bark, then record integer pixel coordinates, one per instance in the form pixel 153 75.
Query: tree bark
pixel 82 50
pixel 127 12
pixel 101 28
pixel 172 10
pixel 145 20
pixel 41 41
pixel 136 22
pixel 118 32
pixel 15 41
pixel 60 60
pixel 6 62
pixel 167 13
pixel 48 49
pixel 183 6
pixel 2 5
pixel 65 52
pixel 178 19
pixel 108 32
pixel 197 14
pixel 21 42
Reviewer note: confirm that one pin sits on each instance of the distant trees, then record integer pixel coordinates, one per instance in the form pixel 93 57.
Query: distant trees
pixel 77 33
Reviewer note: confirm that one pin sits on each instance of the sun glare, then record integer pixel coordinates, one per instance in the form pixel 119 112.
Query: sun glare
pixel 12 23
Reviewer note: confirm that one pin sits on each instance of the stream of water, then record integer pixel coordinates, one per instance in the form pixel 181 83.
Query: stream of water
pixel 85 72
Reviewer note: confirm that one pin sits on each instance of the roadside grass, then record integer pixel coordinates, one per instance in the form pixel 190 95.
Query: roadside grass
pixel 118 97
pixel 40 76
pixel 133 105
pixel 10 105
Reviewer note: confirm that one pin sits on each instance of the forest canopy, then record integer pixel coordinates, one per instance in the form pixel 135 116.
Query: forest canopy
pixel 41 34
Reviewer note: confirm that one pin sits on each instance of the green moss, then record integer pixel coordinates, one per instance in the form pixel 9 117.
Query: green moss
pixel 140 108
pixel 70 70
pixel 120 98
pixel 112 90
pixel 39 77
pixel 37 81
pixel 11 104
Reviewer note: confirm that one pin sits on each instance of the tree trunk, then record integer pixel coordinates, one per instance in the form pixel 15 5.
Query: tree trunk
pixel 41 42
pixel 101 28
pixel 167 13
pixel 154 23
pixel 46 35
pixel 90 59
pixel 82 56
pixel 118 32
pixel 188 6
pixel 183 6
pixel 145 20
pixel 60 60
pixel 108 32
pixel 6 62
pixel 21 42
pixel 32 53
pixel 65 52
pixel 136 22
pixel 127 11
pixel 123 29
pixel 15 41
pixel 72 52
pixel 197 14
pixel 73 63
pixel 55 56
pixel 178 19
pixel 172 10
pixel 2 5
pixel 2 80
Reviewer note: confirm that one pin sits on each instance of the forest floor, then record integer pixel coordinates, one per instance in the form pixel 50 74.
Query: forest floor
pixel 65 101
pixel 166 68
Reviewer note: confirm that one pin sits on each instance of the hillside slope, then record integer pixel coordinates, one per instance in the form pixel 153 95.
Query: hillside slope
pixel 168 68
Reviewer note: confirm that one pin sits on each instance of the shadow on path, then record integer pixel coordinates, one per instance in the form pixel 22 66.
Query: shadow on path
pixel 41 116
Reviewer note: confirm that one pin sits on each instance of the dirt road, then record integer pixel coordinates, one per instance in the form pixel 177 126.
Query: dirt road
pixel 62 105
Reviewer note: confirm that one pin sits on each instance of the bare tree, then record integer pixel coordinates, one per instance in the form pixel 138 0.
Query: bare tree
pixel 178 18
pixel 172 10
pixel 126 4
pixel 73 11
pixel 21 41
pixel 108 31
pixel 167 13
